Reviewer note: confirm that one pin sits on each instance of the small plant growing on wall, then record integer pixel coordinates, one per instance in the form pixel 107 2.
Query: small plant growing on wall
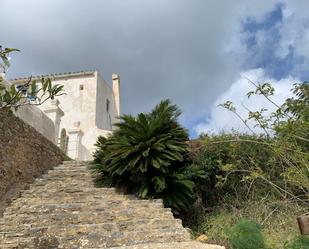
pixel 29 93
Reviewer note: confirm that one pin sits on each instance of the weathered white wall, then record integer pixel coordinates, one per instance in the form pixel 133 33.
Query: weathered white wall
pixel 87 106
pixel 105 120
pixel 33 116
pixel 37 119
pixel 116 92
pixel 54 113
pixel 79 106
pixel 84 109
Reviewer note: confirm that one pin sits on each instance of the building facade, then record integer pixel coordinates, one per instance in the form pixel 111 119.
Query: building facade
pixel 89 108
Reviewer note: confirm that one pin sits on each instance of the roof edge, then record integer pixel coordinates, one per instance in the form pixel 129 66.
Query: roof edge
pixel 54 76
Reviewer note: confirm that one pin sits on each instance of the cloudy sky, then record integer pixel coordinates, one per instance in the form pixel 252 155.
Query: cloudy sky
pixel 195 52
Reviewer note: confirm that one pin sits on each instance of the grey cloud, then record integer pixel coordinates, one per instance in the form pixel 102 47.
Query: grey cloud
pixel 162 48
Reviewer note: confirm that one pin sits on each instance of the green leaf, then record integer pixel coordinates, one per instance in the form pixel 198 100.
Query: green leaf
pixel 159 183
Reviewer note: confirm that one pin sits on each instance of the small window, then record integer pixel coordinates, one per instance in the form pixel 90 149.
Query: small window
pixel 107 105
pixel 23 89
pixel 81 87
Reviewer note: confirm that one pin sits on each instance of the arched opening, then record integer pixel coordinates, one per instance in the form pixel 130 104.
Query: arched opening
pixel 64 140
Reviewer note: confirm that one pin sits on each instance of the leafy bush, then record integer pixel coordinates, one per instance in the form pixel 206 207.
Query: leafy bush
pixel 246 234
pixel 287 130
pixel 242 166
pixel 145 156
pixel 300 242
pixel 234 167
pixel 241 170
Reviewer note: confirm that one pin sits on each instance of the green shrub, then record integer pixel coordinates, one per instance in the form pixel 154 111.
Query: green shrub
pixel 286 137
pixel 240 166
pixel 246 234
pixel 234 168
pixel 300 242
pixel 260 177
pixel 145 156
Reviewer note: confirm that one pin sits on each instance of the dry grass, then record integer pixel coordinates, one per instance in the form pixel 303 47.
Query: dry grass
pixel 277 217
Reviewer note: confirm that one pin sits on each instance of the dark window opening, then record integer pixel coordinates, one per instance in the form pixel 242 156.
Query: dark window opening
pixel 23 89
pixel 81 87
pixel 107 105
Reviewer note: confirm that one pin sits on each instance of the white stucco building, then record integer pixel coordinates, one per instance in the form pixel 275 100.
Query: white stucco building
pixel 88 109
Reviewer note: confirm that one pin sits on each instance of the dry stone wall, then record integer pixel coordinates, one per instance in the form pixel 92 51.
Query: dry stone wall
pixel 24 155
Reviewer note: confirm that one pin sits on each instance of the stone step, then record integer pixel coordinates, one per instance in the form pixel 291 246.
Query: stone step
pixel 78 196
pixel 79 165
pixel 10 246
pixel 83 228
pixel 67 199
pixel 41 183
pixel 80 170
pixel 69 170
pixel 171 245
pixel 68 194
pixel 130 238
pixel 47 184
pixel 66 191
pixel 118 201
pixel 113 222
pixel 66 179
pixel 18 243
pixel 43 186
pixel 72 167
pixel 64 210
pixel 75 162
pixel 121 210
pixel 68 174
pixel 12 220
pixel 72 195
pixel 73 239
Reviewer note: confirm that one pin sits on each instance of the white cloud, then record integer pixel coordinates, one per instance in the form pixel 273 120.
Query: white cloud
pixel 187 51
pixel 223 120
pixel 294 30
pixel 173 49
pixel 293 33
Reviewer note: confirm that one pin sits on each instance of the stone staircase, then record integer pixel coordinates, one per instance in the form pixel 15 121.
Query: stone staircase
pixel 64 210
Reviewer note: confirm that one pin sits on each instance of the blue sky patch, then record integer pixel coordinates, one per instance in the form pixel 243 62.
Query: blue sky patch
pixel 262 40
pixel 272 18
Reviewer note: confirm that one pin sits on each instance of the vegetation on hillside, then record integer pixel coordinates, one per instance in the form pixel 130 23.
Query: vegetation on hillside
pixel 264 177
pixel 238 189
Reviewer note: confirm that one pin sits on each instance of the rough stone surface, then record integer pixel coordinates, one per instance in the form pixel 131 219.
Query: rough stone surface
pixel 24 155
pixel 172 245
pixel 64 210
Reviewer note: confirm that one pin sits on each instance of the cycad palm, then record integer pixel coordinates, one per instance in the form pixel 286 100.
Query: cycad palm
pixel 146 155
